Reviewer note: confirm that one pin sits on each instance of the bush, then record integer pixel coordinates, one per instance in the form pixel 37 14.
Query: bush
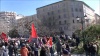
pixel 77 51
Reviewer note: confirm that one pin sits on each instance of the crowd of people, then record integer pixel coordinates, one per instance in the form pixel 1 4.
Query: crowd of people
pixel 91 48
pixel 60 46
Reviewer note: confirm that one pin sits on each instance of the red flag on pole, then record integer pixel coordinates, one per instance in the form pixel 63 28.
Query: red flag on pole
pixel 4 37
pixel 33 33
pixel 49 42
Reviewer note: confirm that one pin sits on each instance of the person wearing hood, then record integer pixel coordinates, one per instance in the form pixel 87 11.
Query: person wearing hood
pixel 24 51
pixel 3 51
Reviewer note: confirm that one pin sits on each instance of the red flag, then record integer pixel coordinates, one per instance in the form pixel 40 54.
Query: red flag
pixel 33 34
pixel 49 43
pixel 4 37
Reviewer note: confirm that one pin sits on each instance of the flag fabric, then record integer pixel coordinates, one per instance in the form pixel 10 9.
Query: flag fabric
pixel 4 37
pixel 33 33
pixel 49 42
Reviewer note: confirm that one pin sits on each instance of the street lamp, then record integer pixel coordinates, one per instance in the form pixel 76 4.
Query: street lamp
pixel 82 21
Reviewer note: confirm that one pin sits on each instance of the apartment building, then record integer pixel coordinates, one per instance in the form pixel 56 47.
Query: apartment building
pixel 62 15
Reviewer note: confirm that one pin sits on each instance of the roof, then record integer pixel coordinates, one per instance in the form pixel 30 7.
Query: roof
pixel 97 14
pixel 87 5
pixel 49 4
pixel 62 1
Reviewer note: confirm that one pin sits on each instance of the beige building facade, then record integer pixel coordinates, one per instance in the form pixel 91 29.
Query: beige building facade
pixel 97 19
pixel 63 15
pixel 7 20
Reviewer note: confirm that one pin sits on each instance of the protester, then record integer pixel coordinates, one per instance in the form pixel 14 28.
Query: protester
pixel 92 50
pixel 51 51
pixel 24 51
pixel 43 51
pixel 86 48
pixel 36 48
pixel 1 49
pixel 15 47
pixel 5 53
pixel 11 50
pixel 97 44
pixel 77 41
pixel 65 51
pixel 68 48
pixel 58 48
pixel 29 49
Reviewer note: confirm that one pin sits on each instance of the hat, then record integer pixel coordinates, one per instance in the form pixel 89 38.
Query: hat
pixel 3 47
pixel 23 45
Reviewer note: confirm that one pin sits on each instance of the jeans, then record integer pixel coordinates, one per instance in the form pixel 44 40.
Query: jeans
pixel 59 53
pixel 51 54
pixel 87 53
pixel 92 54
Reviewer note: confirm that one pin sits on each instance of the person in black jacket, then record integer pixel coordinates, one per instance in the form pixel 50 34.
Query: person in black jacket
pixel 92 50
pixel 11 50
pixel 43 51
pixel 77 41
pixel 86 47
pixel 30 50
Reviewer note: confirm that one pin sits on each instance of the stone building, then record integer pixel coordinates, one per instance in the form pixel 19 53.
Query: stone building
pixel 61 15
pixel 8 21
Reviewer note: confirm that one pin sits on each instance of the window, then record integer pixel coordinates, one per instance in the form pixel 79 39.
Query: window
pixel 65 22
pixel 64 15
pixel 72 9
pixel 59 16
pixel 58 11
pixel 76 9
pixel 65 28
pixel 43 17
pixel 80 10
pixel 72 14
pixel 52 12
pixel 53 23
pixel 59 22
pixel 73 21
pixel 53 17
pixel 60 28
pixel 64 10
pixel 73 27
pixel 48 13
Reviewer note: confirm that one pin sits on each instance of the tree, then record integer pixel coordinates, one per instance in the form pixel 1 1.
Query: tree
pixel 13 33
pixel 92 32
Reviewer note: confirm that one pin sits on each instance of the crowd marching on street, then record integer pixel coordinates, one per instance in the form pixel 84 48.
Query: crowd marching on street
pixel 57 45
pixel 46 46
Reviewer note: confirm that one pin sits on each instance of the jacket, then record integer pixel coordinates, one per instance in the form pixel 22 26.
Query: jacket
pixel 24 51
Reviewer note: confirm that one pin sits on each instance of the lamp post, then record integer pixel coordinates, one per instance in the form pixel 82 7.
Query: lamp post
pixel 82 21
